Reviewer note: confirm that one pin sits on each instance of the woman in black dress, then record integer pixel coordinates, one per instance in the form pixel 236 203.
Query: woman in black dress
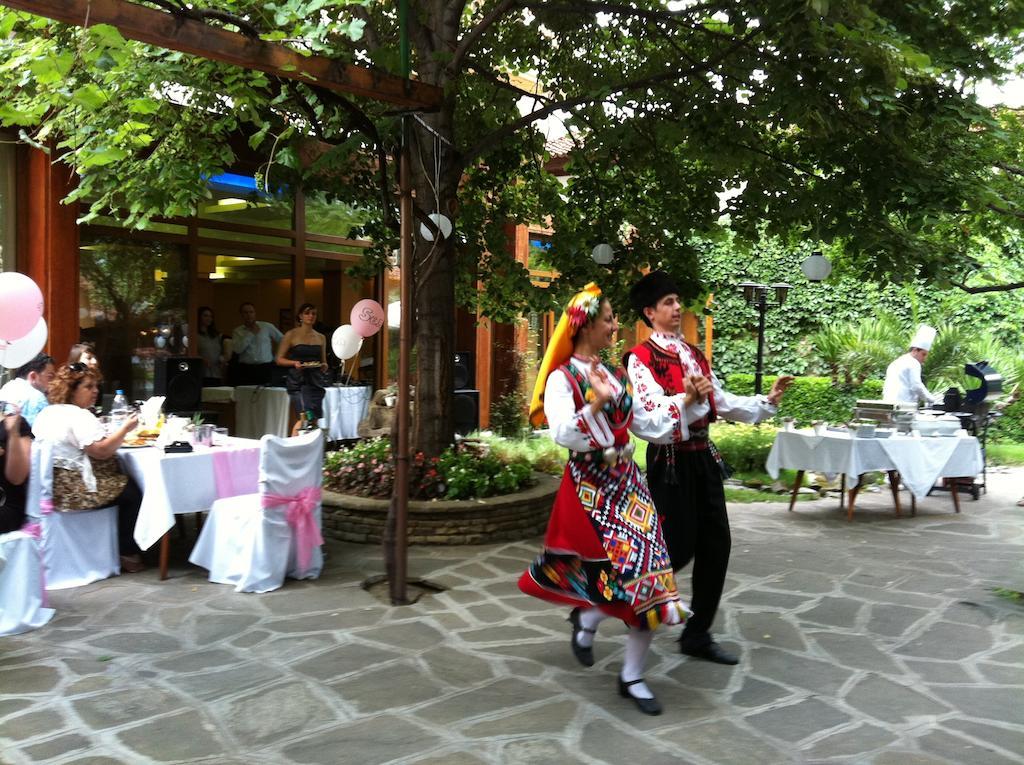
pixel 304 351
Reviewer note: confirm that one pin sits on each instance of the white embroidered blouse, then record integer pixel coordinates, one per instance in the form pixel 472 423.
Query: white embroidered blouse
pixel 578 429
pixel 663 419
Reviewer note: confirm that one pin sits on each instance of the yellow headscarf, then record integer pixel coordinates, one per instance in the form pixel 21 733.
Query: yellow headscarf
pixel 582 307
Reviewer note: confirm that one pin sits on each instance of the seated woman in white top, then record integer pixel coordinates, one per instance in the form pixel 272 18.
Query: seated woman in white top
pixel 80 443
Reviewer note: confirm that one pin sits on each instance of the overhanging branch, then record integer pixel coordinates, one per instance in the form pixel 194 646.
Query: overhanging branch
pixel 492 141
pixel 1009 287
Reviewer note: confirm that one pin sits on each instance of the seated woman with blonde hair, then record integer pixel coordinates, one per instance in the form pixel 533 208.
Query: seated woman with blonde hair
pixel 86 475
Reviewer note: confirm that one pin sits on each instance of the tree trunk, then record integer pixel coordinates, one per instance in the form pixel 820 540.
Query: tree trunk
pixel 434 298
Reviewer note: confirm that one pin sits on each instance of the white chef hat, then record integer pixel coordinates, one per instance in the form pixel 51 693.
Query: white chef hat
pixel 923 338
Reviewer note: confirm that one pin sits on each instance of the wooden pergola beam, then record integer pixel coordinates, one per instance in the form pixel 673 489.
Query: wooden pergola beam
pixel 166 30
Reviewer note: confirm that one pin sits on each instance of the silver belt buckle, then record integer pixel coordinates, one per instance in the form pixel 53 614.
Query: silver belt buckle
pixel 613 454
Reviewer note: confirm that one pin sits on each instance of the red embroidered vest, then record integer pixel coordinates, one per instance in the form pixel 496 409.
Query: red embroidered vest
pixel 668 372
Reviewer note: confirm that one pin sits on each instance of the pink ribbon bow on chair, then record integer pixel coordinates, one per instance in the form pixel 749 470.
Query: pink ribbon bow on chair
pixel 299 515
pixel 35 529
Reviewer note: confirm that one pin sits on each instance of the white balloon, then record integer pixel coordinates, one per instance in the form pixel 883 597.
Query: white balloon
pixel 346 342
pixel 442 223
pixel 21 351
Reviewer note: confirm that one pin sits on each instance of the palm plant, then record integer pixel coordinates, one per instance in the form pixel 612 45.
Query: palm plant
pixel 830 344
pixel 944 367
pixel 853 352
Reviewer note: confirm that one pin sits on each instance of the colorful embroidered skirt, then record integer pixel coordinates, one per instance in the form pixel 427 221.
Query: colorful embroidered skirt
pixel 604 547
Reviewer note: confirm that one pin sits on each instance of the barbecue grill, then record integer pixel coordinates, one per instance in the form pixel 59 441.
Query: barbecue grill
pixel 974 408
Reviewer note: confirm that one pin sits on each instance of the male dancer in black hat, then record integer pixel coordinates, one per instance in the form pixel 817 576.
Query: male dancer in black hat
pixel 677 397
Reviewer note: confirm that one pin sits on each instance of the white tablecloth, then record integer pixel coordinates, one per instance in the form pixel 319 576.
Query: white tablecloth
pixel 218 394
pixel 344 408
pixel 259 411
pixel 920 461
pixel 181 483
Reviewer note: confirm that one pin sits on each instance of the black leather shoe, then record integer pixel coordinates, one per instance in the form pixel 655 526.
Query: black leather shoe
pixel 711 651
pixel 584 654
pixel 647 706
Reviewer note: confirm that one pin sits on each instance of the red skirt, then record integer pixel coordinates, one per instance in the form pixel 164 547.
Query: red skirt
pixel 603 547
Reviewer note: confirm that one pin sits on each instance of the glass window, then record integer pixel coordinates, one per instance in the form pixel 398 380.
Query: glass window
pixel 236 198
pixel 226 279
pixel 133 300
pixel 540 247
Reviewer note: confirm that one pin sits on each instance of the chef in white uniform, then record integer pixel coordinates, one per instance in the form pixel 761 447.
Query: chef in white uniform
pixel 903 376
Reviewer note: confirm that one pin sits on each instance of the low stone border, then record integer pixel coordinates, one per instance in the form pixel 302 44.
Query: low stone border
pixel 505 518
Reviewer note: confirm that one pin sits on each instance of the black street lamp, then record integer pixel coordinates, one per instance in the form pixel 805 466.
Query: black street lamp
pixel 757 296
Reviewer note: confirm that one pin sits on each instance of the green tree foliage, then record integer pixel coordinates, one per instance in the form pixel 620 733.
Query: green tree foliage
pixel 855 118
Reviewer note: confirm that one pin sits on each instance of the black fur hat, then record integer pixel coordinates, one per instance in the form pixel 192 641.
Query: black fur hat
pixel 649 290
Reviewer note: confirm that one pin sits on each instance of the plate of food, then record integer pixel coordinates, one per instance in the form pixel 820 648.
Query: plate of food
pixel 137 443
pixel 307 364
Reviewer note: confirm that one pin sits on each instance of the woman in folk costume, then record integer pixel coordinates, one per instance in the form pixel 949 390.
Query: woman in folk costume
pixel 603 551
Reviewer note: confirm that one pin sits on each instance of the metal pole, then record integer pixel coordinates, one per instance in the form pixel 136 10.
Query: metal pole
pixel 762 307
pixel 397 585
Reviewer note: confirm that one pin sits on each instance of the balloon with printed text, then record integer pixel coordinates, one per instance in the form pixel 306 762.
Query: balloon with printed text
pixel 367 317
pixel 21 305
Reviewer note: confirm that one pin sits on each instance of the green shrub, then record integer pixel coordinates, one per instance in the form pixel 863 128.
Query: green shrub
pixel 508 415
pixel 812 398
pixel 744 447
pixel 469 470
pixel 541 454
pixel 1010 427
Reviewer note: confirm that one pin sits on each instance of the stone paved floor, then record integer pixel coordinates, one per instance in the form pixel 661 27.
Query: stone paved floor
pixel 879 642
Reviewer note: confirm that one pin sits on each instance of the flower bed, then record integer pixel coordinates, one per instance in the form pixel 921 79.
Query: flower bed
pixel 483 490
pixel 505 518
pixel 473 469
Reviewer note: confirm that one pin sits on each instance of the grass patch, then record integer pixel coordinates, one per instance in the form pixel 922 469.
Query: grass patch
pixel 1011 595
pixel 734 495
pixel 1005 454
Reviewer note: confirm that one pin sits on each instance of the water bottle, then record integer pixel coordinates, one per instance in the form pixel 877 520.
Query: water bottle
pixel 118 410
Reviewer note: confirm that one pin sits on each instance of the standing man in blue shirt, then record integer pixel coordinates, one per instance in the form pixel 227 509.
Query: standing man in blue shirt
pixel 254 342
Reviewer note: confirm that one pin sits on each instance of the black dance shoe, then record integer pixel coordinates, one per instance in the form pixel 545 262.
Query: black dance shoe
pixel 584 654
pixel 710 651
pixel 647 706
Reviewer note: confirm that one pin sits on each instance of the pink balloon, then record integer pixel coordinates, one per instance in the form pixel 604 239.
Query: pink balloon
pixel 21 305
pixel 367 317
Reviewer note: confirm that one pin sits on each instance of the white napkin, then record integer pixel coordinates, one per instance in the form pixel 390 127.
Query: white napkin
pixel 149 413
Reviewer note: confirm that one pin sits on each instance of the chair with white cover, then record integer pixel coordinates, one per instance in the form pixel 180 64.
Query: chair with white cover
pixel 22 593
pixel 253 541
pixel 79 547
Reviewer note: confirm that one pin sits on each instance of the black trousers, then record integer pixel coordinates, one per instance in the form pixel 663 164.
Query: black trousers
pixel 695 525
pixel 128 504
pixel 254 374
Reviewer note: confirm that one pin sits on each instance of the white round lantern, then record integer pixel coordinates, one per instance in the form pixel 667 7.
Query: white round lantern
pixel 816 268
pixel 443 224
pixel 603 254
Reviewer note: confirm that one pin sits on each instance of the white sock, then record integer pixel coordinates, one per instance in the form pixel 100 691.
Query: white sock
pixel 637 644
pixel 589 619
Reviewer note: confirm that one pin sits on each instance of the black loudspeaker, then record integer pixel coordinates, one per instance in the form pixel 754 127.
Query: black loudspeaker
pixel 466 411
pixel 180 380
pixel 463 372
